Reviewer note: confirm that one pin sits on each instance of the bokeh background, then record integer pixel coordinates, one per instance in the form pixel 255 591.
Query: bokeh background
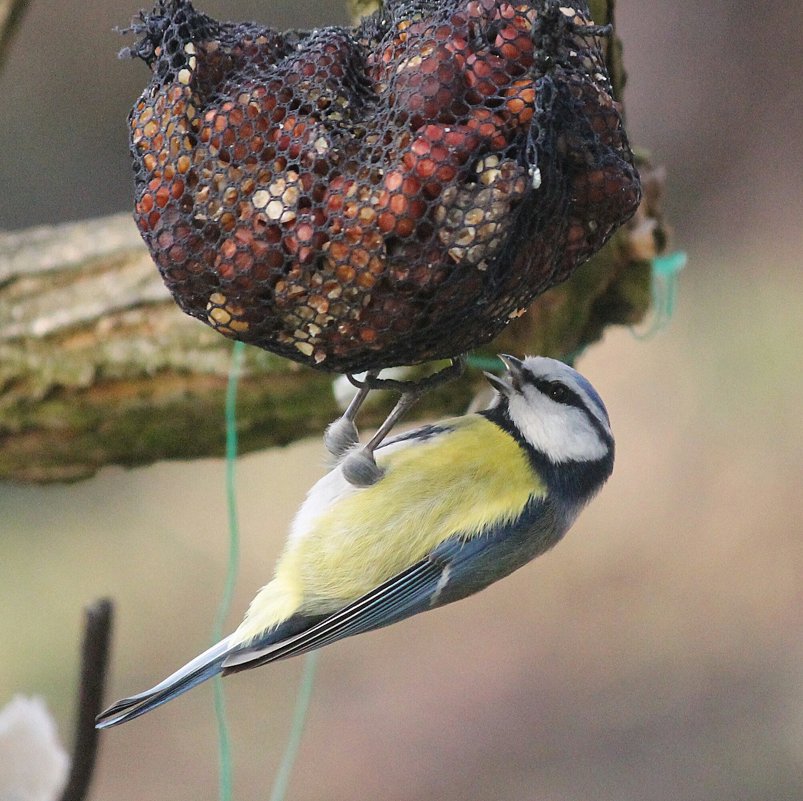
pixel 655 655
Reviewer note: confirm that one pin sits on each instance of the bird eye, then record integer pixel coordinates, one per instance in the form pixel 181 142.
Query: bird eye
pixel 558 392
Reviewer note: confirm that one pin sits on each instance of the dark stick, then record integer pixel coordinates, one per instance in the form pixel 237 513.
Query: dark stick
pixel 94 663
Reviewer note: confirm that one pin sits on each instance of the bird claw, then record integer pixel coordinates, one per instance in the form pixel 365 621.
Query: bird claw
pixel 340 435
pixel 359 465
pixel 360 468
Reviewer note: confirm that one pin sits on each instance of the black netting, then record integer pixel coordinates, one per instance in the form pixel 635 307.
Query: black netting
pixel 385 194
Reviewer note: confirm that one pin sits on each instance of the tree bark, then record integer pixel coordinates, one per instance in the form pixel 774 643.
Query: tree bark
pixel 98 366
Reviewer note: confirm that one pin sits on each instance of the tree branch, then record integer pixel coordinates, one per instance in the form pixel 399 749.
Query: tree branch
pixel 98 366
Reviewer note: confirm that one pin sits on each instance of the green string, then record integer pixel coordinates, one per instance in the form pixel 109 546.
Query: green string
pixel 282 779
pixel 223 737
pixel 665 271
pixel 308 676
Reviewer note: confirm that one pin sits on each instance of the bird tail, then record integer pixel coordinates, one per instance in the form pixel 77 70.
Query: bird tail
pixel 203 667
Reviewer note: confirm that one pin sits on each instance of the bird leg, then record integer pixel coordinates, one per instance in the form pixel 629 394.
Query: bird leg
pixel 342 434
pixel 359 465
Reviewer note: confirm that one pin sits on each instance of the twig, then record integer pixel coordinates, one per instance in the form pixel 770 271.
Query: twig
pixel 94 663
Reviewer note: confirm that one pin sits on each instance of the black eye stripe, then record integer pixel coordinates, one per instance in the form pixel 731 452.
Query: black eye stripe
pixel 570 397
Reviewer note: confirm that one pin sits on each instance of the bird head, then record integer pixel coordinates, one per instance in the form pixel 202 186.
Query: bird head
pixel 554 409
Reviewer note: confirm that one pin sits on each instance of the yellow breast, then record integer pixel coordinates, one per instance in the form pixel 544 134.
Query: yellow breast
pixel 461 482
pixel 347 540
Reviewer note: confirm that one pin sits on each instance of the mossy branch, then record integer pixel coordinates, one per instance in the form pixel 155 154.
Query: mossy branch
pixel 98 366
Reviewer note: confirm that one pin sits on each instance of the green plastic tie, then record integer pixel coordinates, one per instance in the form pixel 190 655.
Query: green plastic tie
pixel 665 271
pixel 479 362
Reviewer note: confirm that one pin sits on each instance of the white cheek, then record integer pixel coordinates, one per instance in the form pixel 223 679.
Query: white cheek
pixel 560 432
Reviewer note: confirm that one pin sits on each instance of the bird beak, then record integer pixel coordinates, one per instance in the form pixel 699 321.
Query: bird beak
pixel 514 365
pixel 509 383
pixel 499 384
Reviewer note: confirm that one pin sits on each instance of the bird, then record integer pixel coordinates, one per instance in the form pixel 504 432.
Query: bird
pixel 461 503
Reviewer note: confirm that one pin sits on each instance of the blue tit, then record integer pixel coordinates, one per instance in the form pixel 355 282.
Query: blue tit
pixel 460 504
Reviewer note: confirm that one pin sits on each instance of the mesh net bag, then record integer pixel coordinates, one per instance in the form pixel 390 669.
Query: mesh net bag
pixel 386 194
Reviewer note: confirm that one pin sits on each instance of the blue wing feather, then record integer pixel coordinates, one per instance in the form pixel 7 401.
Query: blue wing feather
pixel 203 667
pixel 457 568
pixel 405 594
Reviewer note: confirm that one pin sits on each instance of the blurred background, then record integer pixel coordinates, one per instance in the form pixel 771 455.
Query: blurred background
pixel 656 654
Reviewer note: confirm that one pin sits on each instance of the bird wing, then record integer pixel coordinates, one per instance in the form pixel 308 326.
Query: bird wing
pixel 460 481
pixel 403 595
pixel 193 673
pixel 456 568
